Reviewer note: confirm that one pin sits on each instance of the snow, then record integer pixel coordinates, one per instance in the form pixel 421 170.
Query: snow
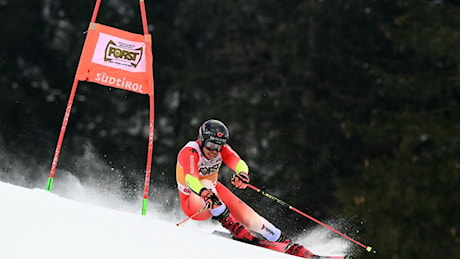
pixel 39 224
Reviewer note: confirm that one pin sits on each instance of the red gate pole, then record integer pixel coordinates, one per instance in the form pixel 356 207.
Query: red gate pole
pixel 95 11
pixel 144 17
pixel 149 158
pixel 57 152
pixel 151 121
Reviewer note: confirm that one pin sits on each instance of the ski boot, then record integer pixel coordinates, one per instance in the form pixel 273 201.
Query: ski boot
pixel 284 239
pixel 299 250
pixel 238 231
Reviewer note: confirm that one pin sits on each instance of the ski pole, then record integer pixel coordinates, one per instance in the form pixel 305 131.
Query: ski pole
pixel 368 248
pixel 193 215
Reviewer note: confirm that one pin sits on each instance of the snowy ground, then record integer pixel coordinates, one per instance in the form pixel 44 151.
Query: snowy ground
pixel 40 224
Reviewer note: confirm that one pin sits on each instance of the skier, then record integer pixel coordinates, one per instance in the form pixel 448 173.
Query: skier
pixel 197 171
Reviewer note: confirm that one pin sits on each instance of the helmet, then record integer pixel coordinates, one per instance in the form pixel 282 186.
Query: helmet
pixel 213 131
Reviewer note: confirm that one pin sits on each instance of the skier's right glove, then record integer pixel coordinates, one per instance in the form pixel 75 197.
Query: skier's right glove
pixel 210 199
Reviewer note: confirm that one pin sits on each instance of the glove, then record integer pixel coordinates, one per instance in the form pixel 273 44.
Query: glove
pixel 240 180
pixel 210 199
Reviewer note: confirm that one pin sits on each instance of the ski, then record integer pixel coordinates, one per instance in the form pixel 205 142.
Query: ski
pixel 280 247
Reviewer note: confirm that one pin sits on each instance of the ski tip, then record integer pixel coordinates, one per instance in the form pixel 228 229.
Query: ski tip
pixel 332 257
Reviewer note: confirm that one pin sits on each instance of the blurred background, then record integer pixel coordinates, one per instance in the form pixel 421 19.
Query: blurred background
pixel 348 110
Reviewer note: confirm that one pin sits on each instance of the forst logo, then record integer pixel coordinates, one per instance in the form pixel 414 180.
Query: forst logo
pixel 122 54
pixel 208 170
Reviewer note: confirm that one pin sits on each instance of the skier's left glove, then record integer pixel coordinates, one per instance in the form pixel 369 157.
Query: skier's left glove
pixel 240 180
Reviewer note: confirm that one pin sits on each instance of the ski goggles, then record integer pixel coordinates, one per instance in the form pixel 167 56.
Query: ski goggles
pixel 212 146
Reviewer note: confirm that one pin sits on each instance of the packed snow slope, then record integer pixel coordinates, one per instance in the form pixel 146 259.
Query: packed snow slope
pixel 39 224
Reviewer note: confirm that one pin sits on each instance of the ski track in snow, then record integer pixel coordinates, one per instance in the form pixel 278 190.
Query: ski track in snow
pixel 40 224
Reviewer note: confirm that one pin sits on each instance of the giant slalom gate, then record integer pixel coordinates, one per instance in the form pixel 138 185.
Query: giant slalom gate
pixel 119 59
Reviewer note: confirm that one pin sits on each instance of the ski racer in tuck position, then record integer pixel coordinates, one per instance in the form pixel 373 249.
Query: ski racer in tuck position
pixel 197 172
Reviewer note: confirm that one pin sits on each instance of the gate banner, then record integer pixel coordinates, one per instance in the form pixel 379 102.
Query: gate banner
pixel 117 58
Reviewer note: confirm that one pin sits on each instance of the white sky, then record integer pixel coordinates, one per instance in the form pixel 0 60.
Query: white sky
pixel 35 223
